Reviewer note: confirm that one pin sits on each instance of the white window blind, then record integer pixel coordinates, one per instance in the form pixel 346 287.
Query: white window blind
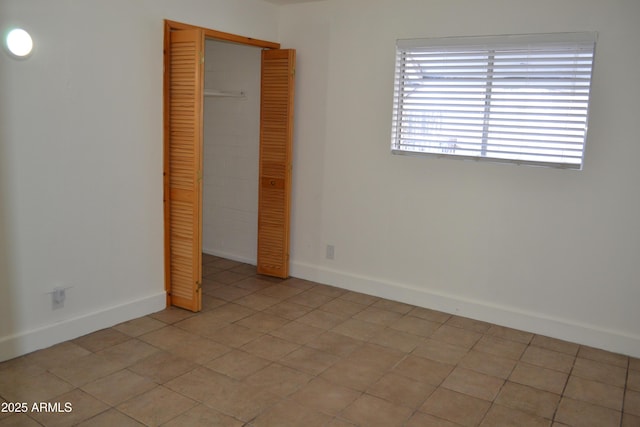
pixel 521 99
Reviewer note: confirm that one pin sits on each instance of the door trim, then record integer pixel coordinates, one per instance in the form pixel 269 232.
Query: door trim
pixel 170 26
pixel 220 35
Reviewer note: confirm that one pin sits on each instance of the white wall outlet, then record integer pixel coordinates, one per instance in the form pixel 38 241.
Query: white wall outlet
pixel 330 252
pixel 57 298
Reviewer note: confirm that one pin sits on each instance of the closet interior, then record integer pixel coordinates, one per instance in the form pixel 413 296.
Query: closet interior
pixel 231 125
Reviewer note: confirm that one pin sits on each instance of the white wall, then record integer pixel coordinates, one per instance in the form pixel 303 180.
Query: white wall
pixel 545 250
pixel 231 152
pixel 81 160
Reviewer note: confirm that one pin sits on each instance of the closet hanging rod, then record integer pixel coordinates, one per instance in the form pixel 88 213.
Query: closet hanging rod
pixel 225 93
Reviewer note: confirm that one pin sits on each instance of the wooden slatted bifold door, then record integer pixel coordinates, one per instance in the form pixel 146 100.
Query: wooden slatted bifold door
pixel 183 169
pixel 276 133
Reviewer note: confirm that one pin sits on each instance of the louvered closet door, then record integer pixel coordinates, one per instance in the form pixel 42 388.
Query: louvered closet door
pixel 276 132
pixel 184 151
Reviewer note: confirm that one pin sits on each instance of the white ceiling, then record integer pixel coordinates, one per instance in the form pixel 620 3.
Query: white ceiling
pixel 280 2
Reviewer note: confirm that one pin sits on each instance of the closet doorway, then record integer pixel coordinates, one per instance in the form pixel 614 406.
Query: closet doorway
pixel 184 154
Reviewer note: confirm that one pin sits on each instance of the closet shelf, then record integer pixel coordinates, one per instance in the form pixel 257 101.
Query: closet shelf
pixel 225 93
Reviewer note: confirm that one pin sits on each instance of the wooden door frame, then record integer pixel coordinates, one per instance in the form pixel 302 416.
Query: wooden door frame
pixel 208 34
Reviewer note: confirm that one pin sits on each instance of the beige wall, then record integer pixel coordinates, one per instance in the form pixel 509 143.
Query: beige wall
pixel 545 250
pixel 81 160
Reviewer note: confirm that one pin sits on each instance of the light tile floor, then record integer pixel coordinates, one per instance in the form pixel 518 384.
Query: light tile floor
pixel 267 352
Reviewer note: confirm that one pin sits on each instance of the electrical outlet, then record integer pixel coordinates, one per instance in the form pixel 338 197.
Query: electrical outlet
pixel 57 298
pixel 330 252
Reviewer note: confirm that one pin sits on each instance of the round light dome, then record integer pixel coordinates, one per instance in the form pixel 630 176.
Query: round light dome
pixel 19 42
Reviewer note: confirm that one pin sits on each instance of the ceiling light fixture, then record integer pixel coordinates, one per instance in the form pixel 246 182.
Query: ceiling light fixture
pixel 19 42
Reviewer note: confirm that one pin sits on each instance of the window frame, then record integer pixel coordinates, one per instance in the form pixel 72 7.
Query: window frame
pixel 524 93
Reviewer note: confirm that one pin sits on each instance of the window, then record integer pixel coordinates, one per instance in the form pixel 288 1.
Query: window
pixel 521 99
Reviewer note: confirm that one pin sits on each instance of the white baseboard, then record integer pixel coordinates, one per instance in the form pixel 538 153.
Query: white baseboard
pixel 231 256
pixel 46 336
pixel 538 323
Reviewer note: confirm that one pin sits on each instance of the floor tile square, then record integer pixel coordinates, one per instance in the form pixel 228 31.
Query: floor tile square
pixel 577 413
pixel 473 383
pixel 555 344
pixel 322 319
pixel 101 339
pixel 168 337
pixel 540 378
pixel 85 369
pixel 397 340
pixel 118 387
pixel 629 420
pixel 372 411
pixel 489 364
pixel 162 367
pixel 128 352
pixel 325 396
pixel 469 324
pixel 598 371
pixel 428 314
pixel 456 336
pixel 423 370
pixel 278 379
pixel 360 298
pixel 336 344
pixel 329 290
pixel 440 351
pixel 18 420
pixel 378 316
pixel 549 359
pixel 420 419
pixel 235 336
pixel 500 347
pixel 510 334
pixel 297 332
pixel 171 315
pixel 256 301
pixel 156 406
pixel 290 413
pixel 281 291
pixel 309 360
pixel 358 329
pixel 342 306
pixel 271 352
pixel 504 416
pixel 270 347
pixel 377 356
pixel 415 325
pixel 262 322
pixel 137 327
pixel 603 356
pixel 633 380
pixel 632 402
pixel 595 392
pixel 37 388
pixel 456 407
pixel 401 390
pixel 111 418
pixel 353 374
pixel 56 355
pixel 203 416
pixel 527 399
pixel 201 383
pixel 288 310
pixel 240 400
pixel 310 299
pixel 83 407
pixel 395 306
pixel 238 364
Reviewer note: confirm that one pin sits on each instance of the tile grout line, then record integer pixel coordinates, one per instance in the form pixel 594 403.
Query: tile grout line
pixel 624 391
